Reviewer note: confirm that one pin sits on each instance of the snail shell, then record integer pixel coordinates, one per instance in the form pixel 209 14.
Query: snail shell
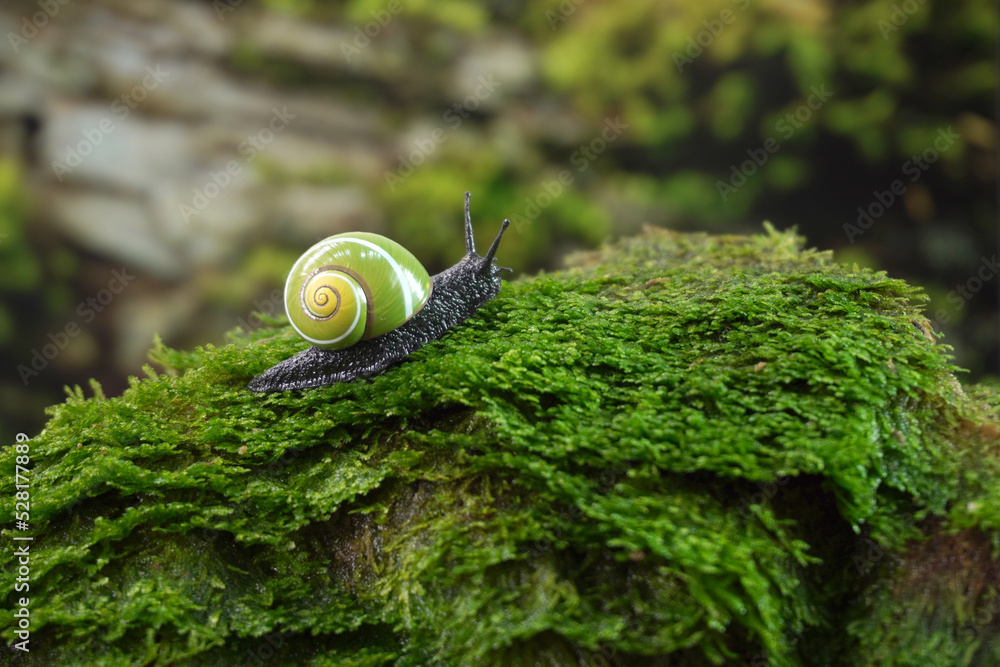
pixel 352 287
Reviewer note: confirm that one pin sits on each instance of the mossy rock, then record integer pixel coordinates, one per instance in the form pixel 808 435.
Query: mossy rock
pixel 685 450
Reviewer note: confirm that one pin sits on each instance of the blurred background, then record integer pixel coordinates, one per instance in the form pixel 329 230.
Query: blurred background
pixel 162 164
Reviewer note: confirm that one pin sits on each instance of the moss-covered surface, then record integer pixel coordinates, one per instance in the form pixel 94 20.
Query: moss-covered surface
pixel 687 450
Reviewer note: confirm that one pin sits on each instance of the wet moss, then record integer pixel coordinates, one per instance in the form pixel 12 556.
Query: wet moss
pixel 685 449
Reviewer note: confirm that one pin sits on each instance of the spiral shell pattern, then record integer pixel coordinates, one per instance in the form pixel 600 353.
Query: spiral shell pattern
pixel 353 287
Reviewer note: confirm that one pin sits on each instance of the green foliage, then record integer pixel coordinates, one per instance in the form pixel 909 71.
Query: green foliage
pixel 856 51
pixel 35 290
pixel 673 449
pixel 22 268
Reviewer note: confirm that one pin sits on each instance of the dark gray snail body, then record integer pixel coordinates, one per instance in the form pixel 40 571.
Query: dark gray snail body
pixel 457 293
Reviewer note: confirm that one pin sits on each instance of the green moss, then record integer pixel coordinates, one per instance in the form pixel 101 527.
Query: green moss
pixel 701 449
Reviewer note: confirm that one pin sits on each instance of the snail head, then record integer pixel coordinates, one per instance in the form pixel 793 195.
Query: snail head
pixel 484 262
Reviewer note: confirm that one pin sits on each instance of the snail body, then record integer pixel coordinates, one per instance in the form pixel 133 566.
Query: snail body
pixel 364 302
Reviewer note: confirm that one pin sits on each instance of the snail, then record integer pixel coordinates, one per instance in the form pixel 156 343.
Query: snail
pixel 365 302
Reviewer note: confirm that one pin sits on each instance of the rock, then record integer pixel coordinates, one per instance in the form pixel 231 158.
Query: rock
pixel 116 228
pixel 321 211
pixel 113 149
pixel 140 317
pixel 685 449
pixel 284 36
pixel 494 70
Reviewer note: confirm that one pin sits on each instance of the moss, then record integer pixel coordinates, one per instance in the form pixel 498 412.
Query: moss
pixel 685 449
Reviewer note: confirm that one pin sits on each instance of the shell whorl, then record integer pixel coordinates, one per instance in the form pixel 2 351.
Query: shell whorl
pixel 337 303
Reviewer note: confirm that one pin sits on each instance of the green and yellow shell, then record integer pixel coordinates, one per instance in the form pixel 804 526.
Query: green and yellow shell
pixel 353 287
